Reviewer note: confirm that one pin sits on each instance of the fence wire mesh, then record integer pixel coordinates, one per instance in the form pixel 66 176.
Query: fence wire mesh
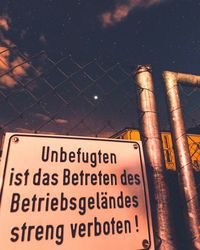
pixel 190 97
pixel 40 95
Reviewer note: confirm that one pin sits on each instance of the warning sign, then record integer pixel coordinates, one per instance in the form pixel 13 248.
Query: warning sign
pixel 73 193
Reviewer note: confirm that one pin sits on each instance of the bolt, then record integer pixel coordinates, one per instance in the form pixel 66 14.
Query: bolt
pixel 135 146
pixel 145 244
pixel 15 139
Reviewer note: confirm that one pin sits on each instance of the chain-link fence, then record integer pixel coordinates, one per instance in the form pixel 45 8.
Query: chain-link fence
pixel 190 96
pixel 184 118
pixel 40 95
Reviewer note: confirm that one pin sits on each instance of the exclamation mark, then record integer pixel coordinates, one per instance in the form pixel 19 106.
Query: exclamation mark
pixel 136 223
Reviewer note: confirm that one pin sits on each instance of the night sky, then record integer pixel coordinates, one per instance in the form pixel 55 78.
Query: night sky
pixel 163 33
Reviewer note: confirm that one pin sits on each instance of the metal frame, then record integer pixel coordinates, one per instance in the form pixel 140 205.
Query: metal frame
pixel 185 170
pixel 151 137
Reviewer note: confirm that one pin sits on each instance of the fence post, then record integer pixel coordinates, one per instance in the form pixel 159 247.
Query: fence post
pixel 151 137
pixel 185 170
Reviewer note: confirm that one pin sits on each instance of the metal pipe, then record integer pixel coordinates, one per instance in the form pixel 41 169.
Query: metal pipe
pixel 185 170
pixel 151 137
pixel 186 78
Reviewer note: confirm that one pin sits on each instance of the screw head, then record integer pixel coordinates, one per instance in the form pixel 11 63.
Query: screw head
pixel 15 139
pixel 135 146
pixel 145 244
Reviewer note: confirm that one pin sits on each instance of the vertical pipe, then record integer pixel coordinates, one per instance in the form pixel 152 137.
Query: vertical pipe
pixel 163 230
pixel 185 170
pixel 1 141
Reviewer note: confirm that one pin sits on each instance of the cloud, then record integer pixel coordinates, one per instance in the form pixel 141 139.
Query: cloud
pixel 61 121
pixel 7 81
pixel 4 23
pixel 25 130
pixel 12 66
pixel 19 67
pixel 44 118
pixel 11 70
pixel 105 134
pixel 4 55
pixel 122 10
